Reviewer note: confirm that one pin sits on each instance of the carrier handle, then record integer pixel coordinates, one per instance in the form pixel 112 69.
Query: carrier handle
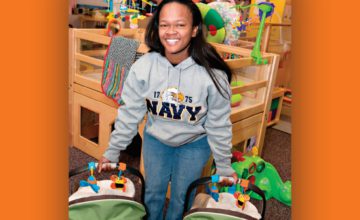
pixel 115 166
pixel 208 179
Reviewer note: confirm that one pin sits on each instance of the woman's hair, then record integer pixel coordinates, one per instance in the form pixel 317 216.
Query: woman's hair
pixel 202 52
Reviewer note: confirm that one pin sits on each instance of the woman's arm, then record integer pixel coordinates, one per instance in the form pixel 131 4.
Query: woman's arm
pixel 129 116
pixel 219 128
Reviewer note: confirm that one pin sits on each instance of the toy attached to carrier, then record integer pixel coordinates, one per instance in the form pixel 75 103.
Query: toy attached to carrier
pixel 223 205
pixel 107 199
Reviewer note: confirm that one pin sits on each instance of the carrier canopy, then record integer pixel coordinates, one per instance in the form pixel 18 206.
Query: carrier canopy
pixel 218 214
pixel 106 207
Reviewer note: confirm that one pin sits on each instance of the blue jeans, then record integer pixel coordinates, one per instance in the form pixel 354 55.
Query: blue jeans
pixel 180 165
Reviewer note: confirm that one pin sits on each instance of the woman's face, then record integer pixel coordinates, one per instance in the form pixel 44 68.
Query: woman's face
pixel 176 31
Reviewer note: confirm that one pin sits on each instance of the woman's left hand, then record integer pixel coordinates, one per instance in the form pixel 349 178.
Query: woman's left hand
pixel 235 176
pixel 229 182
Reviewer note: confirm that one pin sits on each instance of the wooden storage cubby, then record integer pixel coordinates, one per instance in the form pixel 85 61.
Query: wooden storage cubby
pixel 87 50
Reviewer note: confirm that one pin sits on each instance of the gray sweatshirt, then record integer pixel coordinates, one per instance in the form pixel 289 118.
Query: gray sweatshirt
pixel 182 105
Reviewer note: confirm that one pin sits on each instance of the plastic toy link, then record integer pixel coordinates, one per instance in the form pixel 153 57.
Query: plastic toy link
pixel 241 199
pixel 240 196
pixel 265 10
pixel 119 181
pixel 214 192
pixel 91 180
pixel 238 189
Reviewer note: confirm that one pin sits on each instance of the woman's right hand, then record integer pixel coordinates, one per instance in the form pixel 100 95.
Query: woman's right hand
pixel 104 164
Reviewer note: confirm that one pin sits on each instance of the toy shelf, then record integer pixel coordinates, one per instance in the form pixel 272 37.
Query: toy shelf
pixel 87 102
pixel 258 81
pixel 276 39
pixel 86 55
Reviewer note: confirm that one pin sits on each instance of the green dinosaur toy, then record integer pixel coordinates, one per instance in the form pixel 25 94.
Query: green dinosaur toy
pixel 266 178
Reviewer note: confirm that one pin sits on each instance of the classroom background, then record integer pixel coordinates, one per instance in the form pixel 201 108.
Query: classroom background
pixel 258 52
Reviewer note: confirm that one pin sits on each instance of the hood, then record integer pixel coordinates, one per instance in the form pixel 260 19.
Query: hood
pixel 173 92
pixel 188 62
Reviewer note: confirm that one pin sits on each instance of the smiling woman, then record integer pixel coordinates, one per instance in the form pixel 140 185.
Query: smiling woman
pixel 182 85
pixel 176 31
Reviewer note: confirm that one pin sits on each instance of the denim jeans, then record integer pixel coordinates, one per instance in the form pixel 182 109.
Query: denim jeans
pixel 180 165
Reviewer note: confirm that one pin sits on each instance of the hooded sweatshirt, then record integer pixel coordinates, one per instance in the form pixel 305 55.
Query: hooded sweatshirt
pixel 182 105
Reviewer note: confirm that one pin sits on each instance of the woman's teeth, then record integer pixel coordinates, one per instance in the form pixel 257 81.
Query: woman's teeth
pixel 172 41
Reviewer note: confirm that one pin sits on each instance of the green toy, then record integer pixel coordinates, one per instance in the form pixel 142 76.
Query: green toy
pixel 213 22
pixel 237 83
pixel 265 176
pixel 236 98
pixel 266 9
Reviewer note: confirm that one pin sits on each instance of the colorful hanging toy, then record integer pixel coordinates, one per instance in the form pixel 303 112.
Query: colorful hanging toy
pixel 151 4
pixel 266 9
pixel 238 189
pixel 91 180
pixel 119 181
pixel 214 191
pixel 240 196
pixel 241 199
pixel 240 24
pixel 113 25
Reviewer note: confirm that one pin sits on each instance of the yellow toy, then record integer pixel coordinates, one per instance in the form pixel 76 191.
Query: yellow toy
pixel 254 151
pixel 119 181
pixel 241 199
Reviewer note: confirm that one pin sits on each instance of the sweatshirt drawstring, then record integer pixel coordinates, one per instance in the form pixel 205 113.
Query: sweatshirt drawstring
pixel 168 77
pixel 178 88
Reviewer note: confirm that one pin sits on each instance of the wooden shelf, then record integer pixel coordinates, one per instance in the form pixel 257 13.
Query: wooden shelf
pixel 247 108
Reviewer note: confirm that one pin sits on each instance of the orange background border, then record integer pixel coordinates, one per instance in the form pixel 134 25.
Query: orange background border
pixel 34 110
pixel 325 112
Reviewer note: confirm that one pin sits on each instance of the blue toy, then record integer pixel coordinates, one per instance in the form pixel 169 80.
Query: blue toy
pixel 214 191
pixel 91 180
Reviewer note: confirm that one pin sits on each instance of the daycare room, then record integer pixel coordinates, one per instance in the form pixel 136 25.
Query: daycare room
pixel 108 103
